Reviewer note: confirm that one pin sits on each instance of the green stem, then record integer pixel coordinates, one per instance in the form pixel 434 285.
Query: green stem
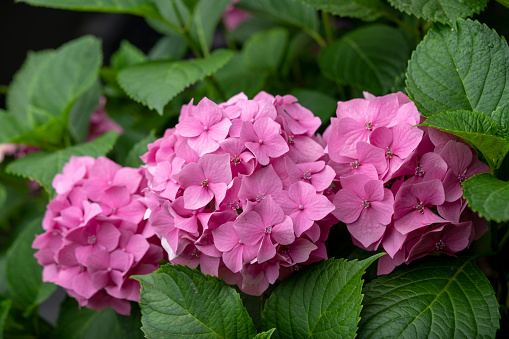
pixel 316 36
pixel 328 30
pixel 502 242
pixel 201 35
pixel 427 26
pixel 401 23
pixel 219 89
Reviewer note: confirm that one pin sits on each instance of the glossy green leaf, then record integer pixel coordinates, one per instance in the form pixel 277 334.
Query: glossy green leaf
pixel 140 148
pixel 464 68
pixel 43 166
pixel 321 104
pixel 83 323
pixel 178 301
pixel 137 7
pixel 127 55
pixel 10 127
pixel 370 58
pixel 444 11
pixel 501 117
pixel 287 11
pixel 265 335
pixel 488 196
pixel 79 117
pixel 5 307
pixel 323 300
pixel 443 298
pixel 476 128
pixel 237 77
pixel 23 273
pixel 155 83
pixel 51 81
pixel 367 10
pixel 47 136
pixel 271 42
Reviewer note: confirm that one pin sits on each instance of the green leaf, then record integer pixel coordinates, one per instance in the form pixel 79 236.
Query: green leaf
pixel 367 10
pixel 79 117
pixel 444 11
pixel 140 148
pixel 155 83
pixel 501 117
pixel 265 335
pixel 504 3
pixel 271 42
pixel 464 68
pixel 23 273
pixel 47 136
pixel 179 301
pixel 287 11
pixel 204 18
pixel 322 300
pixel 443 298
pixel 10 127
pixel 3 195
pixel 370 58
pixel 5 307
pixel 237 77
pixel 136 7
pixel 51 81
pixel 488 196
pixel 43 166
pixel 83 323
pixel 172 47
pixel 477 129
pixel 127 55
pixel 321 104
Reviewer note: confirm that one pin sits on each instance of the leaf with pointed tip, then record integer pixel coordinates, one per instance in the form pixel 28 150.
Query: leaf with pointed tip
pixel 271 42
pixel 50 81
pixel 179 301
pixel 370 58
pixel 287 11
pixel 367 10
pixel 501 117
pixel 442 298
pixel 140 148
pixel 43 166
pixel 136 7
pixel 459 69
pixel 488 196
pixel 127 55
pixel 155 83
pixel 83 323
pixel 477 129
pixel 10 127
pixel 444 11
pixel 265 335
pixel 23 273
pixel 321 300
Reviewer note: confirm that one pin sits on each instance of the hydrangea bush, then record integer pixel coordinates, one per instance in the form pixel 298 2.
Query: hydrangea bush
pixel 270 168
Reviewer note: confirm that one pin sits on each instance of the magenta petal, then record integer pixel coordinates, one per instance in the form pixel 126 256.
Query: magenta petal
pixel 99 260
pixel 301 249
pixel 233 258
pixel 348 206
pixel 318 208
pixel 250 227
pixel 393 241
pixel 100 279
pixel 209 265
pixel 190 175
pixel 190 127
pixel 137 246
pixel 367 229
pixel 108 236
pixel 267 249
pixel 225 237
pixel 216 168
pixel 283 233
pixel 415 220
pixel 197 196
pixel 301 222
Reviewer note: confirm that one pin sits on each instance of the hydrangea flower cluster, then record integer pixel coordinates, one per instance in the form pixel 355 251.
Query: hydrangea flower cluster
pixel 241 189
pixel 95 237
pixel 399 185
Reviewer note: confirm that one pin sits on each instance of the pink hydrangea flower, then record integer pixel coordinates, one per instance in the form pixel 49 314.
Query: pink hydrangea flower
pixel 95 236
pixel 215 184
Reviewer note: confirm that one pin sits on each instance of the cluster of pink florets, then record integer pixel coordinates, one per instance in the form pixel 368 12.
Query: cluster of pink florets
pixel 240 189
pixel 95 236
pixel 399 185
